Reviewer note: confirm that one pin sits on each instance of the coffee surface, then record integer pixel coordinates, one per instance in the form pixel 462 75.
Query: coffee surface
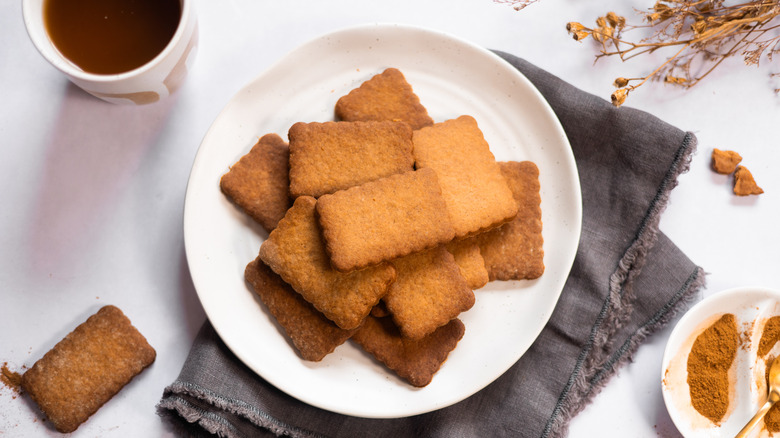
pixel 111 36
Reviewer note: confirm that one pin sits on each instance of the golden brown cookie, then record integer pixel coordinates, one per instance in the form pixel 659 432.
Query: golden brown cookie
pixel 384 219
pixel 476 193
pixel 744 183
pixel 429 291
pixel 314 335
pixel 469 259
pixel 386 96
pixel 259 183
pixel 415 361
pixel 331 156
pixel 295 251
pixel 86 368
pixel 514 251
pixel 725 162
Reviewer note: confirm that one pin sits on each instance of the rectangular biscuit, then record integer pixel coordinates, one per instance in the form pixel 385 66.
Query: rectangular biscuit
pixel 415 361
pixel 87 367
pixel 296 252
pixel 384 219
pixel 331 156
pixel 312 334
pixel 476 193
pixel 469 259
pixel 514 251
pixel 429 291
pixel 386 96
pixel 259 182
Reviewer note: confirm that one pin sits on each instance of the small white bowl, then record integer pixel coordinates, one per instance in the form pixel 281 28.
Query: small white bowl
pixel 751 306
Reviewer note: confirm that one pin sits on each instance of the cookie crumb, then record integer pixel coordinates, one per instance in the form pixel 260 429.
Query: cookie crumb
pixel 11 379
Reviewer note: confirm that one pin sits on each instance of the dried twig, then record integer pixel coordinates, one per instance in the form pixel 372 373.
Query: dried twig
pixel 703 32
pixel 700 34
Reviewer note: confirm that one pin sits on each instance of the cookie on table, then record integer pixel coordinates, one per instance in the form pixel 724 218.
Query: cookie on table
pixel 87 368
pixel 331 156
pixel 744 183
pixel 429 291
pixel 469 259
pixel 296 252
pixel 386 96
pixel 313 335
pixel 259 182
pixel 384 219
pixel 476 193
pixel 415 361
pixel 514 251
pixel 725 162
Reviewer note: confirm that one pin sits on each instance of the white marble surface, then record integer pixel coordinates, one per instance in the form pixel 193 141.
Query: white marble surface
pixel 92 193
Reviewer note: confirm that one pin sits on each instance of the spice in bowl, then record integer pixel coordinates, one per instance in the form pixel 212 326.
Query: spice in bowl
pixel 709 361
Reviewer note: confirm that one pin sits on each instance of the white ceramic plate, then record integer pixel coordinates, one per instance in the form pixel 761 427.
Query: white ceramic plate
pixel 751 306
pixel 452 77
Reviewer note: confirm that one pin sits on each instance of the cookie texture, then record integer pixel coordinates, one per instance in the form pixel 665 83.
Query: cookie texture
pixel 386 96
pixel 312 334
pixel 744 183
pixel 87 368
pixel 331 156
pixel 384 219
pixel 296 252
pixel 514 251
pixel 259 182
pixel 476 193
pixel 469 259
pixel 429 291
pixel 415 361
pixel 725 162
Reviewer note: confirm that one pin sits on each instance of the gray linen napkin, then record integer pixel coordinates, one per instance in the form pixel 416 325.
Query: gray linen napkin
pixel 628 280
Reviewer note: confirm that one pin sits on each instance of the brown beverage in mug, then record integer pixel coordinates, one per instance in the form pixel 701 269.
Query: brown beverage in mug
pixel 111 36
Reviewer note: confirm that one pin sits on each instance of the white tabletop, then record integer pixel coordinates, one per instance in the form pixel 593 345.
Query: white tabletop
pixel 92 193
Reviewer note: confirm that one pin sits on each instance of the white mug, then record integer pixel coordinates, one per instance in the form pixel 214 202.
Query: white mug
pixel 148 83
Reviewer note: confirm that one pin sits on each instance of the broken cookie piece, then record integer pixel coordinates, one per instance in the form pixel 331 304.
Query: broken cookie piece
pixel 725 162
pixel 744 183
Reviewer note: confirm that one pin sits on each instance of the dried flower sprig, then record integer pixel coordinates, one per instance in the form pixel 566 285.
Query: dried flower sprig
pixel 703 32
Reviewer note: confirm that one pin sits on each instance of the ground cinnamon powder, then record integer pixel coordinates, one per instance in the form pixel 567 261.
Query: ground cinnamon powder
pixel 769 337
pixel 10 378
pixel 709 361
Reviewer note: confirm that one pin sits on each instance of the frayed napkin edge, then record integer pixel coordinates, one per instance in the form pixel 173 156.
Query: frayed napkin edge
pixel 176 406
pixel 618 307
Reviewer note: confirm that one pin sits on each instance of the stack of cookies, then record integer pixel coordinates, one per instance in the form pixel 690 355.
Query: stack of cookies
pixel 382 224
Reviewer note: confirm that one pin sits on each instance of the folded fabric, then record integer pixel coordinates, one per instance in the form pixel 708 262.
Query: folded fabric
pixel 627 281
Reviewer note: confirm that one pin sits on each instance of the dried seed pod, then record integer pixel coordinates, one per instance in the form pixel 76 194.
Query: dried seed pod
pixel 619 96
pixel 620 82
